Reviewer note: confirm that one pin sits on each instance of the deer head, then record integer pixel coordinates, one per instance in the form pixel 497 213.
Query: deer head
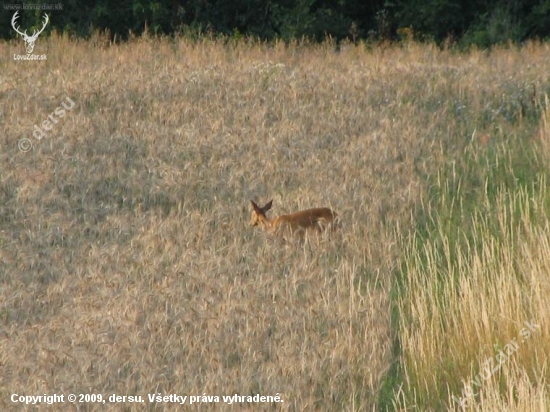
pixel 29 40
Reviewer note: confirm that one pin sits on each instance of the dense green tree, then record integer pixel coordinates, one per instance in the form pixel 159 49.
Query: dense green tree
pixel 483 22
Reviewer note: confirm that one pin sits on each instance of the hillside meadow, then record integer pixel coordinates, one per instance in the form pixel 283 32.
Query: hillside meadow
pixel 127 265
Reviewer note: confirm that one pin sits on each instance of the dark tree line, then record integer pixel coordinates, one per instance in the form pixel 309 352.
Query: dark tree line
pixel 480 22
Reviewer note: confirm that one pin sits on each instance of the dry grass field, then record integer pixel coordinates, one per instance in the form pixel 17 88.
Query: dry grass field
pixel 127 265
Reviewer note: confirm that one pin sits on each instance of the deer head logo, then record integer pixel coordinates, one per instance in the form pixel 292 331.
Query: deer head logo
pixel 29 40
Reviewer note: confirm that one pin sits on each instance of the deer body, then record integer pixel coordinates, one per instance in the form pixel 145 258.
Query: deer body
pixel 316 219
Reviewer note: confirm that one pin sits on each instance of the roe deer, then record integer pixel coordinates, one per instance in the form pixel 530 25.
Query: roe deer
pixel 317 219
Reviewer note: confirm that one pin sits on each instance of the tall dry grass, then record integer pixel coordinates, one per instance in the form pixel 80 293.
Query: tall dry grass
pixel 469 300
pixel 474 302
pixel 126 262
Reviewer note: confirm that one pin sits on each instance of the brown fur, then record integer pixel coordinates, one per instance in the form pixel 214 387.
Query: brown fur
pixel 316 219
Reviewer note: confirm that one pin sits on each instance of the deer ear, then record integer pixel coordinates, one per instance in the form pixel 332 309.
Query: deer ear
pixel 267 206
pixel 255 207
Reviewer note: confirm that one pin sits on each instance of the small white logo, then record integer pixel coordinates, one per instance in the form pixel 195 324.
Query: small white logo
pixel 29 40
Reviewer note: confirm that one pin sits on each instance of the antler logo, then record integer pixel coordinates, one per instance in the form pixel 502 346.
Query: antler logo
pixel 29 40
